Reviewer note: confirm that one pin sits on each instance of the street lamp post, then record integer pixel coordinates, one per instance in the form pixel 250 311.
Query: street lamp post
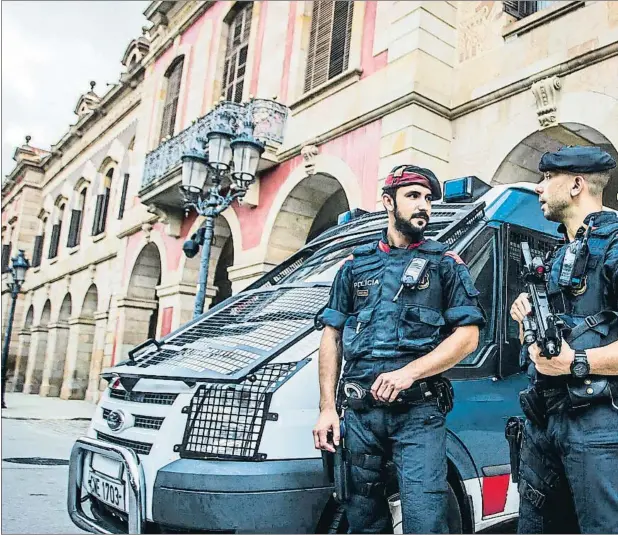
pixel 18 274
pixel 210 184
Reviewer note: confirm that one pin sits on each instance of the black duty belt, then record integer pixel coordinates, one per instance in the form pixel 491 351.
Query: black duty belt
pixel 358 398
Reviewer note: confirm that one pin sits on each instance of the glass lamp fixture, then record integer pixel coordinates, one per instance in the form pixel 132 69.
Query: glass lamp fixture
pixel 247 151
pixel 194 172
pixel 20 266
pixel 219 149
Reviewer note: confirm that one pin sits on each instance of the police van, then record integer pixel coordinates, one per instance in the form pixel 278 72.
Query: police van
pixel 209 429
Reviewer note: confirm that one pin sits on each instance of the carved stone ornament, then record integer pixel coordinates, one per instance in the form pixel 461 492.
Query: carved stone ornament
pixel 146 228
pixel 545 93
pixel 92 271
pixel 309 153
pixel 161 214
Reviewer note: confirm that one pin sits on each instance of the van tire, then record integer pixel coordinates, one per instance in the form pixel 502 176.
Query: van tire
pixel 333 519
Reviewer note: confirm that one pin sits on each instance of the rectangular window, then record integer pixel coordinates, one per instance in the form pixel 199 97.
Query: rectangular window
pixel 6 257
pixel 97 215
pixel 123 196
pixel 329 41
pixel 74 227
pixel 519 10
pixel 236 54
pixel 55 241
pixel 172 95
pixel 37 251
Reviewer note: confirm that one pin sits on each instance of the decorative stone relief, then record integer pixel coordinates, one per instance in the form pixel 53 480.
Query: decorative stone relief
pixel 309 153
pixel 92 271
pixel 146 228
pixel 171 221
pixel 545 93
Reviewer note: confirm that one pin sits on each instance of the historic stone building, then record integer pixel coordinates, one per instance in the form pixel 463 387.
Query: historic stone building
pixel 466 88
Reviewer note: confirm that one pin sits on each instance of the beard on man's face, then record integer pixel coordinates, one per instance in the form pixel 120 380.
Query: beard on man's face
pixel 407 228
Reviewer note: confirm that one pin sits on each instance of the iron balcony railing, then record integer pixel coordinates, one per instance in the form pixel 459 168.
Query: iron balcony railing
pixel 267 116
pixel 521 9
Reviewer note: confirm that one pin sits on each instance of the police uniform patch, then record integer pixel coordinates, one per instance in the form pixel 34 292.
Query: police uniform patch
pixel 362 293
pixel 455 257
pixel 424 284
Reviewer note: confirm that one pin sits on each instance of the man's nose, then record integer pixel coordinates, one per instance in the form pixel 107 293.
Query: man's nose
pixel 538 188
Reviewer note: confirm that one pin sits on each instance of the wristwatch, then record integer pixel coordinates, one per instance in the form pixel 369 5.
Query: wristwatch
pixel 580 367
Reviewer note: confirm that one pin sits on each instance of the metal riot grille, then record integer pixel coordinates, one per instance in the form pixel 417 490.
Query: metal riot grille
pixel 226 420
pixel 538 247
pixel 248 329
pixel 145 422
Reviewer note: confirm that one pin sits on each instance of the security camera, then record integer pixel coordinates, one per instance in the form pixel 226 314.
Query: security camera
pixel 191 247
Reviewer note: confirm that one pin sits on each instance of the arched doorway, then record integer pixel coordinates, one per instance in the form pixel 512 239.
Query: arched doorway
pixel 57 345
pixel 139 311
pixel 310 208
pixel 521 164
pixel 21 361
pixel 37 352
pixel 219 286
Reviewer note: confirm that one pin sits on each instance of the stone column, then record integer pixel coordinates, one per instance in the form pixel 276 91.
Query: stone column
pixel 242 276
pixel 57 344
pixel 77 368
pixel 133 320
pixel 36 359
pixel 96 363
pixel 17 381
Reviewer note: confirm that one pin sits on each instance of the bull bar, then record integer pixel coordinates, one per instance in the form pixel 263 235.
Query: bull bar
pixel 135 479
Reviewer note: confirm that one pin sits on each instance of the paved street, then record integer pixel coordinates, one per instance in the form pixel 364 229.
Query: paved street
pixel 38 429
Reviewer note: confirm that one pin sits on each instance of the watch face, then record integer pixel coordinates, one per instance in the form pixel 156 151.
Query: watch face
pixel 580 369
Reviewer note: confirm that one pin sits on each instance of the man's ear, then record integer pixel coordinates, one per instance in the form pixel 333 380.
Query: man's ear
pixel 578 185
pixel 388 202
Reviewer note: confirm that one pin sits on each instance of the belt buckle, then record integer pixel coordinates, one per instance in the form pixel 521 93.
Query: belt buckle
pixel 591 321
pixel 353 391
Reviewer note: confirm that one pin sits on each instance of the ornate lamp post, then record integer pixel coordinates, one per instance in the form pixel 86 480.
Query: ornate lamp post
pixel 17 276
pixel 211 183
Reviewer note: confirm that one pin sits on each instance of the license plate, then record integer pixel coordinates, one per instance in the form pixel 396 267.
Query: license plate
pixel 106 489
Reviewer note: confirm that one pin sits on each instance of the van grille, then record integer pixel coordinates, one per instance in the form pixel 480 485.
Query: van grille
pixel 143 448
pixel 145 422
pixel 226 421
pixel 155 398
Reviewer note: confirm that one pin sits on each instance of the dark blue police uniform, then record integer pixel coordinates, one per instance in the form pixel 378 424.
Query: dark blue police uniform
pixel 568 476
pixel 384 328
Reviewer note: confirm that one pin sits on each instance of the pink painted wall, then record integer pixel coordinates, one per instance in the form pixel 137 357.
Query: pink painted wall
pixel 370 63
pixel 166 321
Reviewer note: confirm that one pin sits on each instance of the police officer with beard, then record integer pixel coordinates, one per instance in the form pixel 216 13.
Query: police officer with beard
pixel 568 473
pixel 401 311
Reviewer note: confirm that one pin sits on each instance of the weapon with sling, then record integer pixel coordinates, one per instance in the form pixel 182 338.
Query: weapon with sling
pixel 543 326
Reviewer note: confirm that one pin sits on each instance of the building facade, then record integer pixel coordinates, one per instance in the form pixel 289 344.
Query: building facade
pixel 465 88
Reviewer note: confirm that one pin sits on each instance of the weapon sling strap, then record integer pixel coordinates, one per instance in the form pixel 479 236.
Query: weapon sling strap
pixel 590 322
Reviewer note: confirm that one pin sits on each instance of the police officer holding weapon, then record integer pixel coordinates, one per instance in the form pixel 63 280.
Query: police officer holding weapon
pixel 568 463
pixel 401 311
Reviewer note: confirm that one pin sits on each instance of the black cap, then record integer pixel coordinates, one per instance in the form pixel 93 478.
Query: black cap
pixel 577 159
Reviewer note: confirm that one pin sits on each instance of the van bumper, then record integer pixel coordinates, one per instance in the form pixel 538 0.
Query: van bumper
pixel 243 497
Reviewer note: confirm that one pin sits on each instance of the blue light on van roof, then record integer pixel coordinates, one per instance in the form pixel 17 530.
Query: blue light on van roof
pixel 464 189
pixel 346 217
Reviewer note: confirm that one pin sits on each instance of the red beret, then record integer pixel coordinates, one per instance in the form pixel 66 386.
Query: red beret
pixel 406 175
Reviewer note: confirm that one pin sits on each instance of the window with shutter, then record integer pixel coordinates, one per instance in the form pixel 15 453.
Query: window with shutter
pixel 55 240
pixel 37 252
pixel 97 215
pixel 123 196
pixel 74 226
pixel 236 54
pixel 172 95
pixel 6 257
pixel 519 10
pixel 329 41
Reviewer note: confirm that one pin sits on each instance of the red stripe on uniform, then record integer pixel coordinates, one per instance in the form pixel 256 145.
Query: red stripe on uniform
pixel 495 489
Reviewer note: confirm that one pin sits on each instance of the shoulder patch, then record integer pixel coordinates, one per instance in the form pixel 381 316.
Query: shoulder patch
pixel 455 257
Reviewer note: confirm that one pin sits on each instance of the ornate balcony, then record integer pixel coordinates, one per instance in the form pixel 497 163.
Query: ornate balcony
pixel 162 165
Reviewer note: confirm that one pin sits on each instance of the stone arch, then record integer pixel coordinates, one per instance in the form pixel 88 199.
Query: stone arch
pixel 222 253
pixel 310 207
pixel 139 310
pixel 521 163
pixel 37 351
pixel 57 346
pixel 324 166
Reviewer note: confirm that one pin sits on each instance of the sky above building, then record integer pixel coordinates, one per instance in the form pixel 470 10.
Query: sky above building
pixel 51 50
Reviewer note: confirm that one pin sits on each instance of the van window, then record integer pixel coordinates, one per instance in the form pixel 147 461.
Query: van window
pixel 481 258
